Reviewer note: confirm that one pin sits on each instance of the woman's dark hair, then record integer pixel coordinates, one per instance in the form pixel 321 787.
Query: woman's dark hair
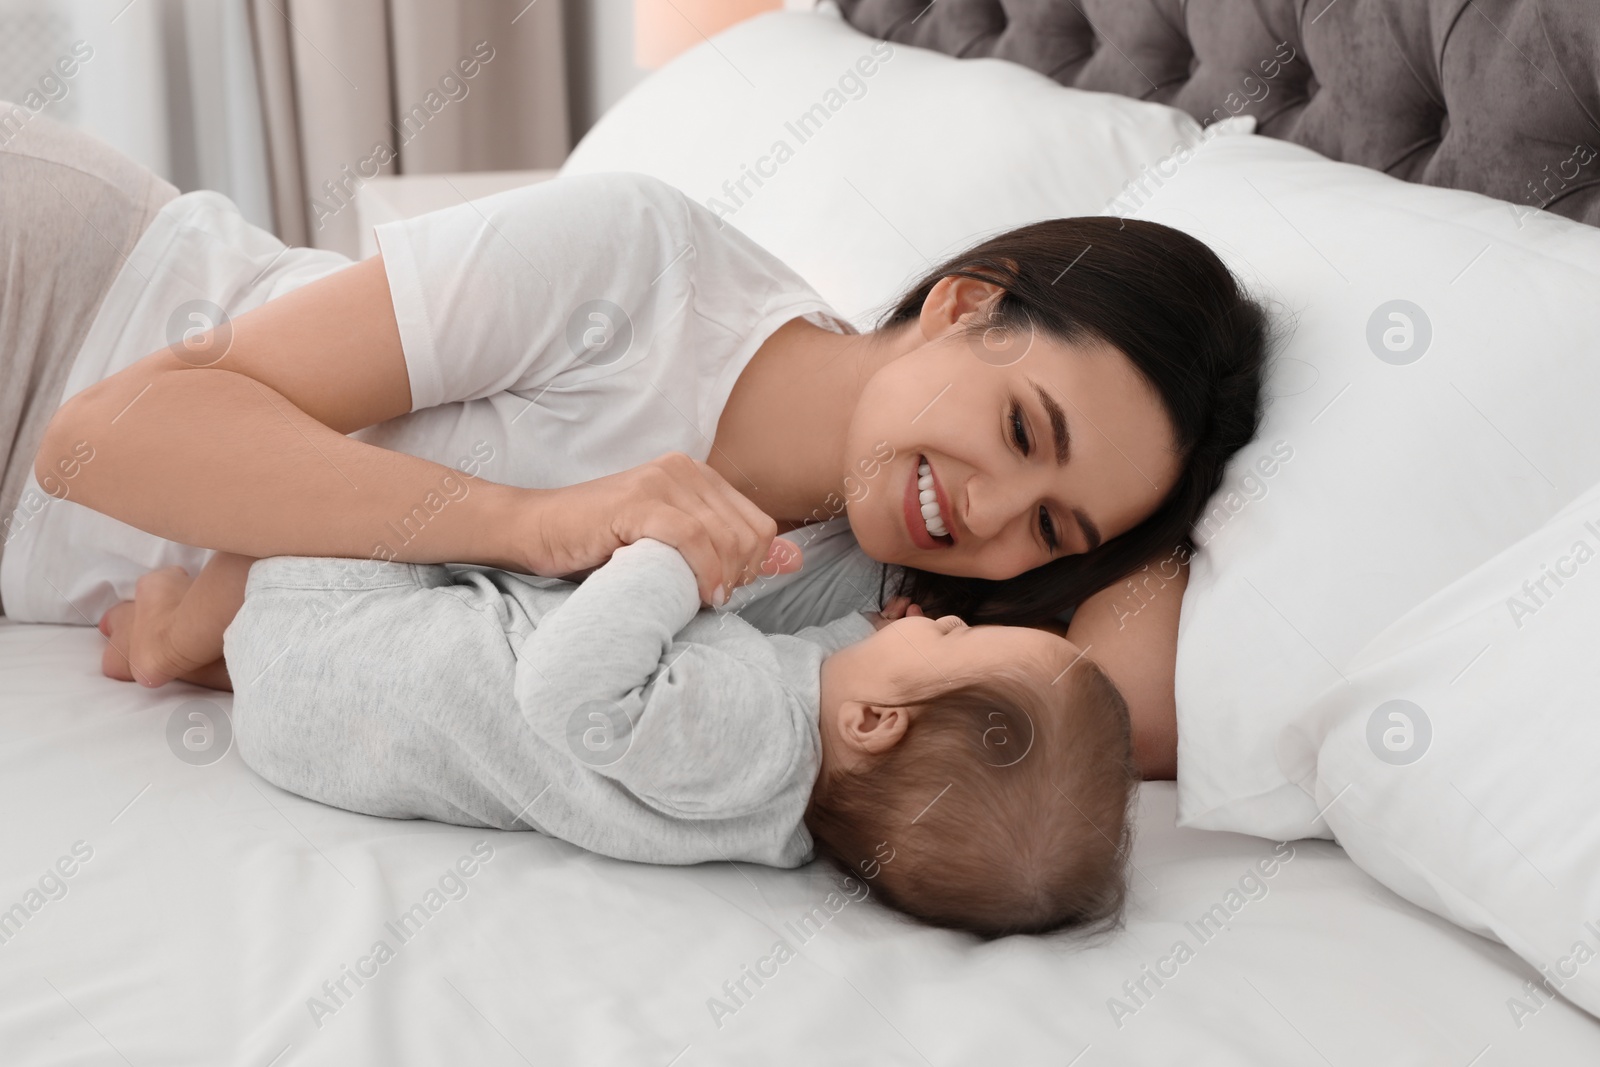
pixel 1190 330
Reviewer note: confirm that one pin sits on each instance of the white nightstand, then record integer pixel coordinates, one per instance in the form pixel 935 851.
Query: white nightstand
pixel 386 198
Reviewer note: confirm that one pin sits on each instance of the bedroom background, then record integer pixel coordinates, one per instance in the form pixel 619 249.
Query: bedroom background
pixel 267 100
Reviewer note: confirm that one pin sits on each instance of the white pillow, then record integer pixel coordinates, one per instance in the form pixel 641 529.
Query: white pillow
pixel 1458 766
pixel 1374 482
pixel 910 155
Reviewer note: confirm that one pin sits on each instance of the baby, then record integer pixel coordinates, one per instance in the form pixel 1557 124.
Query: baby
pixel 980 777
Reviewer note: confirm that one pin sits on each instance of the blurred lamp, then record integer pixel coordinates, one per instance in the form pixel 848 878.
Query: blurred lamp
pixel 663 28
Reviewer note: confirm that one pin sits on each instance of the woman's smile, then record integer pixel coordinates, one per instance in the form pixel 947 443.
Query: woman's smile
pixel 927 508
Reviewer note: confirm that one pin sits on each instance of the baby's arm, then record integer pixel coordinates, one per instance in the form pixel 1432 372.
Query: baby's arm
pixel 607 640
pixel 173 627
pixel 694 730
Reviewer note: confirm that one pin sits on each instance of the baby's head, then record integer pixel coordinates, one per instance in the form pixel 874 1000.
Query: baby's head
pixel 979 776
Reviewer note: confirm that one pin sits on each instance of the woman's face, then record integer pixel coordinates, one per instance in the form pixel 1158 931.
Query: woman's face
pixel 985 415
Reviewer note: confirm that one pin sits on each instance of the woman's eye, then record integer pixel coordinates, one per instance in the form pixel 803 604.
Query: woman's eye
pixel 1018 431
pixel 1047 529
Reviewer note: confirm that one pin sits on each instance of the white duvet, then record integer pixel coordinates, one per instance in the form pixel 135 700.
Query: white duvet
pixel 210 918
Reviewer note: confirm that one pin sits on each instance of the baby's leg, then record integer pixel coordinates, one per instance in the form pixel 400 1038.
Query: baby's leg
pixel 173 626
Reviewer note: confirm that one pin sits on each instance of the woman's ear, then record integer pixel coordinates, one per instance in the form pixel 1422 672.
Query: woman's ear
pixel 872 729
pixel 953 297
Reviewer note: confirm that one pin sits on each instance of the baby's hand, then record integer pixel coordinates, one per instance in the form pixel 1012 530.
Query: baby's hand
pixel 897 608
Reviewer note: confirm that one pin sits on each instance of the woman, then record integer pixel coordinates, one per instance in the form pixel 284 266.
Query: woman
pixel 1033 420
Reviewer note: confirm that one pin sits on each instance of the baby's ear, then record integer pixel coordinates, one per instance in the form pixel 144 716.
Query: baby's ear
pixel 878 728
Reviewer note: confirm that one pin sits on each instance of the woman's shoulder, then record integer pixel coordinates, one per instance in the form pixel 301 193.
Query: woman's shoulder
pixel 606 214
pixel 618 199
pixel 669 237
pixel 622 185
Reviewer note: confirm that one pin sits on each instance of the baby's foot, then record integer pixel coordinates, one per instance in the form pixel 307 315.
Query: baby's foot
pixel 117 625
pixel 137 631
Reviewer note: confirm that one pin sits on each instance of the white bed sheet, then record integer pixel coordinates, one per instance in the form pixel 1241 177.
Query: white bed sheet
pixel 215 905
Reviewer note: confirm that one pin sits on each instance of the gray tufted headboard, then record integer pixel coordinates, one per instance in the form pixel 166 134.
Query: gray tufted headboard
pixel 1496 96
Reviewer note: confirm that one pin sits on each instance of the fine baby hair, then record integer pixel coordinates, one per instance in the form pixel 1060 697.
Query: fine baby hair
pixel 1004 810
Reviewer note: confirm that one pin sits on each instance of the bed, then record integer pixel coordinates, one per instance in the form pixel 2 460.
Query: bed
pixel 206 910
pixel 163 904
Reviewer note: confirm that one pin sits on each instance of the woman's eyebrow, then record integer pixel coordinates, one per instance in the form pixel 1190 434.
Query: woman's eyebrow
pixel 1058 423
pixel 1063 449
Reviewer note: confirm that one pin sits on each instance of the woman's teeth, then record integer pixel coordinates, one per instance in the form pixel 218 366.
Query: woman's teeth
pixel 929 501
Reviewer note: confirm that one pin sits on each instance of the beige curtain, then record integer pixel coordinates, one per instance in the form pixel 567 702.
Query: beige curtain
pixel 352 89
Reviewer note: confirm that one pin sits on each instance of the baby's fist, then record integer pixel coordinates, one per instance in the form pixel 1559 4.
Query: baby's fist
pixel 899 607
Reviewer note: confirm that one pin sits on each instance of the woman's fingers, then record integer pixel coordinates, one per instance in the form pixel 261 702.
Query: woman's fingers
pixel 751 530
pixel 764 554
pixel 784 557
pixel 742 535
pixel 678 500
pixel 675 527
pixel 726 525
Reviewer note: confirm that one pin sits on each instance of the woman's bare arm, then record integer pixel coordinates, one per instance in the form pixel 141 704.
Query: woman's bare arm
pixel 249 455
pixel 1131 630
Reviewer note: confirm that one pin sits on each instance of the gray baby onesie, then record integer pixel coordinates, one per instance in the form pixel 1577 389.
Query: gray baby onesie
pixel 614 714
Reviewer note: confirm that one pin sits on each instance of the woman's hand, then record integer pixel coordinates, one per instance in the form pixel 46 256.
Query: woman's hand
pixel 677 500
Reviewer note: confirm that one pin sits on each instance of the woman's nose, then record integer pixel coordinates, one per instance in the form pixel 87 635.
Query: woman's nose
pixel 994 504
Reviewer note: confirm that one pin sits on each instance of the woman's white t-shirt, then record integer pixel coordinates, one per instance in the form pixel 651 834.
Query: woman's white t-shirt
pixel 552 334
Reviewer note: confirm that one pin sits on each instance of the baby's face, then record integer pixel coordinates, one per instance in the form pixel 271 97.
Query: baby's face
pixel 918 652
